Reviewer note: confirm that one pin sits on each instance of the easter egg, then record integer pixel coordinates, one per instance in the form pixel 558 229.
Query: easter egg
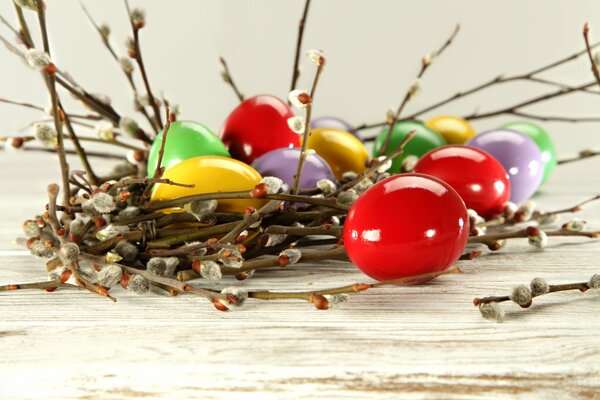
pixel 342 151
pixel 542 139
pixel 283 164
pixel 185 139
pixel 335 123
pixel 478 178
pixel 424 140
pixel 520 157
pixel 455 130
pixel 406 225
pixel 257 126
pixel 210 174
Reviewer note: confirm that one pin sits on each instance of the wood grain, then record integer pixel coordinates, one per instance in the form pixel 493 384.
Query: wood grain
pixel 416 342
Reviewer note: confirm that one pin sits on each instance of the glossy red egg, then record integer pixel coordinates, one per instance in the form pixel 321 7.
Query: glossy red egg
pixel 406 225
pixel 479 179
pixel 257 126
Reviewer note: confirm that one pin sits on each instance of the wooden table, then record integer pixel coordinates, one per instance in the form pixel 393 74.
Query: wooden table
pixel 424 341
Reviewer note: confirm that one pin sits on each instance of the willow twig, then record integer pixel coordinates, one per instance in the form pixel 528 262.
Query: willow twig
pixel 588 48
pixel 301 24
pixel 226 74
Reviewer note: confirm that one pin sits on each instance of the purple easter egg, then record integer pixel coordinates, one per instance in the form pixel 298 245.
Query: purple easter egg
pixel 283 164
pixel 520 157
pixel 335 123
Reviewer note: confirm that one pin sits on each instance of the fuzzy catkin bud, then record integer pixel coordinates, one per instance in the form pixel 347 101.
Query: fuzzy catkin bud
pixel 110 231
pixel 103 203
pixel 129 126
pixel 385 166
pixel 316 56
pixel 201 208
pixel 110 275
pixel 363 185
pixel 336 300
pixel 231 258
pixel 492 311
pixel 272 184
pixel 296 124
pixel 414 88
pixel 172 263
pixel 37 59
pixel 239 295
pixel 129 212
pixel 38 249
pixel 138 284
pixel 289 257
pixel 156 266
pixel 539 286
pixel 105 131
pixel 274 239
pixel 126 65
pixel 327 186
pixel 521 295
pixel 540 240
pixel 69 251
pixel 127 250
pixel 211 271
pixel 347 197
pixel 45 135
pixel 31 228
pixel 594 282
pixel 409 163
pixel 138 18
pixel 575 225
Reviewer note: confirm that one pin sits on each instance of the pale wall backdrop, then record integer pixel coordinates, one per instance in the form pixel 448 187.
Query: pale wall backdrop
pixel 373 50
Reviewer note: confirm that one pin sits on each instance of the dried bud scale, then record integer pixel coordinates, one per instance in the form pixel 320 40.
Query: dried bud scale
pixel 492 311
pixel 521 295
pixel 539 286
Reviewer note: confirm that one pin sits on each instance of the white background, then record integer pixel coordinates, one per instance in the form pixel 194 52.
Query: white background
pixel 373 50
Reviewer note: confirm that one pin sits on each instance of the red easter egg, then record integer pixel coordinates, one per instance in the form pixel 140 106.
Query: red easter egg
pixel 406 225
pixel 478 178
pixel 257 126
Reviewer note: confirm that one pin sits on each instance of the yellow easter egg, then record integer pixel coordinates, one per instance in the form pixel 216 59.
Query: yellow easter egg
pixel 340 149
pixel 210 174
pixel 455 130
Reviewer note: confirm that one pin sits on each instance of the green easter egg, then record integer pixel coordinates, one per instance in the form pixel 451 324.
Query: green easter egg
pixel 542 139
pixel 424 140
pixel 185 139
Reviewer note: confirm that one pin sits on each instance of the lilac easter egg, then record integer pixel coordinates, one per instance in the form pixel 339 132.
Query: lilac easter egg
pixel 335 123
pixel 520 157
pixel 283 164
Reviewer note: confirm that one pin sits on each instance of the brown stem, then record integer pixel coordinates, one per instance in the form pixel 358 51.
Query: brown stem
pixel 492 82
pixel 588 48
pixel 35 285
pixel 229 79
pixel 584 154
pixel 157 205
pixel 114 55
pixel 410 92
pixel 522 233
pixel 81 153
pixel 534 100
pixel 140 62
pixel 581 286
pixel 576 208
pixel 159 169
pixel 296 71
pixel 305 231
pixel 64 166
